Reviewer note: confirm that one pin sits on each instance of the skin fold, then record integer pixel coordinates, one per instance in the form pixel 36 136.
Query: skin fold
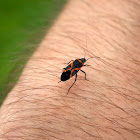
pixel 104 107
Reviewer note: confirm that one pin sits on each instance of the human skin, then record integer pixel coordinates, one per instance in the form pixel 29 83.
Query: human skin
pixel 106 107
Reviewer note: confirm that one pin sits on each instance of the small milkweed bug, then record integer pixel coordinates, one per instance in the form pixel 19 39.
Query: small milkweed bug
pixel 73 67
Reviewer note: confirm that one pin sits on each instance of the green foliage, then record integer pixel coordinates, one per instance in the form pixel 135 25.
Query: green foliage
pixel 22 26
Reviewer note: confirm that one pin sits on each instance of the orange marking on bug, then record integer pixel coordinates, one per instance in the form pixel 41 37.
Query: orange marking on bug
pixel 80 61
pixel 71 73
pixel 77 68
pixel 74 70
pixel 70 67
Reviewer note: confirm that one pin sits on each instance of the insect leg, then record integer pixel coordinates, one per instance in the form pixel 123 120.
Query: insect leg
pixel 86 65
pixel 84 73
pixel 69 62
pixel 73 83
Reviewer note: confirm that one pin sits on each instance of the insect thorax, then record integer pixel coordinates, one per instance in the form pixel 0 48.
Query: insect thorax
pixel 77 64
pixel 83 60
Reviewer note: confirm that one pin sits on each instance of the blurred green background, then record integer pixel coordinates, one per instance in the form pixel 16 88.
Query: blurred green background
pixel 22 26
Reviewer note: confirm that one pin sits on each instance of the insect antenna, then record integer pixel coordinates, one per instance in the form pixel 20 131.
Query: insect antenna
pixel 86 47
pixel 92 57
pixel 84 53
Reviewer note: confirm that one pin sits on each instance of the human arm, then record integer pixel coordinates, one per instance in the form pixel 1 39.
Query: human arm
pixel 106 106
